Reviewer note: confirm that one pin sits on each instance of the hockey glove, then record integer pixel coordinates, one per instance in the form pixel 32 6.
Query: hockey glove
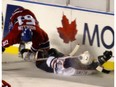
pixel 28 55
pixel 105 57
pixel 3 49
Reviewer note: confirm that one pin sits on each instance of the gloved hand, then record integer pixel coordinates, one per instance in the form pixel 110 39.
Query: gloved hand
pixel 3 49
pixel 28 55
pixel 105 57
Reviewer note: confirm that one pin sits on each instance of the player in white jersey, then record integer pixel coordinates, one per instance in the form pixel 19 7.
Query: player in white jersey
pixel 82 64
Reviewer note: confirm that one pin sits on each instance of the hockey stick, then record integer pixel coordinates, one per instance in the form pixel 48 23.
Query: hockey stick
pixel 34 60
pixel 74 50
pixel 101 69
pixel 69 56
pixel 41 59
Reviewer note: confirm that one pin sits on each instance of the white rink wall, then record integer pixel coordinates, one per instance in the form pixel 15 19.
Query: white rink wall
pixel 50 17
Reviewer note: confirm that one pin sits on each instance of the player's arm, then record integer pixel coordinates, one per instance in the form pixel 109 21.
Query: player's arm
pixel 40 40
pixel 10 39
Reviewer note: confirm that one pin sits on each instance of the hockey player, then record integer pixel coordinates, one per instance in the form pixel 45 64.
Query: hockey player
pixel 69 65
pixel 24 28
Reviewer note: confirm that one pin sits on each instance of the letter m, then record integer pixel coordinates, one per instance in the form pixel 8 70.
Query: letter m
pixel 87 33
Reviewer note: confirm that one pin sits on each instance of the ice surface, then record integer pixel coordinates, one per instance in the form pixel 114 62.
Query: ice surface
pixel 26 74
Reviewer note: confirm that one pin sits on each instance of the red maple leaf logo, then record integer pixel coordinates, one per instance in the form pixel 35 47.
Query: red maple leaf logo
pixel 68 31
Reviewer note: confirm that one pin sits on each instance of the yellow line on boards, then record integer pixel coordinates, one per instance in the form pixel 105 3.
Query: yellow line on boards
pixel 12 50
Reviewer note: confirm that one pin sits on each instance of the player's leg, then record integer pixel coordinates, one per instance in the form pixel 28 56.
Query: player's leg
pixel 45 54
pixel 54 52
pixel 42 64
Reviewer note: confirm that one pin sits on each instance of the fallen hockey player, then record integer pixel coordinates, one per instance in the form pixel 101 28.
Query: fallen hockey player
pixel 83 64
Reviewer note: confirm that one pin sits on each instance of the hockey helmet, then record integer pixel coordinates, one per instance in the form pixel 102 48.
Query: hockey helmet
pixel 26 35
pixel 85 58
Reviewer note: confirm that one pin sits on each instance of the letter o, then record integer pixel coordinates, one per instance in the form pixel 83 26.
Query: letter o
pixel 102 39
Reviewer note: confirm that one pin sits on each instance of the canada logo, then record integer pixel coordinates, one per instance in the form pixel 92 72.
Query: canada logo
pixel 68 30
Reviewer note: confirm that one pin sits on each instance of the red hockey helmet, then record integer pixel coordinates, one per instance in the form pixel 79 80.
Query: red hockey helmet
pixel 19 9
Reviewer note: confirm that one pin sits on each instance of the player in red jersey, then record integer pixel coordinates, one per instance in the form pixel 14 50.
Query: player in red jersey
pixel 24 28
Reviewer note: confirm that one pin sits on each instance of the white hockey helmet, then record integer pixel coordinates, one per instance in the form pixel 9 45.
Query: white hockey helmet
pixel 85 58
